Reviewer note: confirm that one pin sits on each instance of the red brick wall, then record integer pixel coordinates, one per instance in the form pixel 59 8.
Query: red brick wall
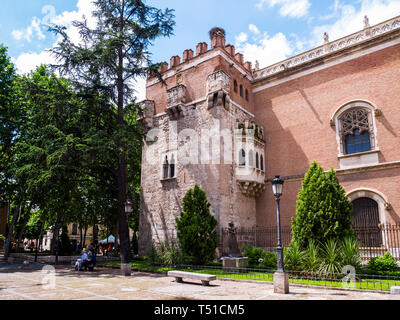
pixel 296 116
pixel 195 81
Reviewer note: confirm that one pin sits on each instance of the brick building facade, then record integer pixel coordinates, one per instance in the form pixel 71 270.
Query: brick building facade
pixel 218 122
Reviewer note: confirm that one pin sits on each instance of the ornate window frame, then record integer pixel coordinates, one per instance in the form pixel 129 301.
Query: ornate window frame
pixel 367 122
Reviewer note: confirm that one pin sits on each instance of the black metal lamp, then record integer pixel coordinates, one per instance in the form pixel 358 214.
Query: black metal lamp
pixel 128 206
pixel 277 189
pixel 277 186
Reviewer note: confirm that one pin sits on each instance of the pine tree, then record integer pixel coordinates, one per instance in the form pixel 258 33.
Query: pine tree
pixel 196 227
pixel 323 210
pixel 106 62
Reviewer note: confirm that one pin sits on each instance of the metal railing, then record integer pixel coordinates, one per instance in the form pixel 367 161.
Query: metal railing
pixel 348 281
pixel 374 241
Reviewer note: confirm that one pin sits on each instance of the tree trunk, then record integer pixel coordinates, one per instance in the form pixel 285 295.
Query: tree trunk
pixel 121 173
pixel 24 223
pixel 84 238
pixel 40 237
pixel 7 243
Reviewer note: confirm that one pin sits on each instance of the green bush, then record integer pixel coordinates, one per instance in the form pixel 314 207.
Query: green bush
pixel 259 258
pixel 385 263
pixel 331 259
pixel 294 257
pixel 167 255
pixel 311 257
pixel 323 210
pixel 196 227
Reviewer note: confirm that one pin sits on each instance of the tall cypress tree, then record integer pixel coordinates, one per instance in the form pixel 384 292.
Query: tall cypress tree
pixel 107 60
pixel 196 227
pixel 323 210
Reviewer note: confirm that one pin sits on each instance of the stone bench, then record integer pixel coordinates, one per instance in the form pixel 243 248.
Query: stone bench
pixel 179 275
pixel 395 290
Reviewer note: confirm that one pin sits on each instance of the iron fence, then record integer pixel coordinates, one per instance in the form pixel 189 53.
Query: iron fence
pixel 373 240
pixel 345 280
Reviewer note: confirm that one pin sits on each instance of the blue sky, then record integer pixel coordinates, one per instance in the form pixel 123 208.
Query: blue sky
pixel 264 30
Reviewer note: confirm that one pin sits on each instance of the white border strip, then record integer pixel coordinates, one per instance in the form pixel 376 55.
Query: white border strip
pixel 328 65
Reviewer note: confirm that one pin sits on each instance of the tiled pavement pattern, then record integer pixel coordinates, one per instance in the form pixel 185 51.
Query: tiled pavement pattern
pixel 108 284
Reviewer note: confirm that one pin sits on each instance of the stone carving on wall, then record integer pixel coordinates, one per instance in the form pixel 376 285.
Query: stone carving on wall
pixel 218 87
pixel 354 119
pixel 147 111
pixel 176 99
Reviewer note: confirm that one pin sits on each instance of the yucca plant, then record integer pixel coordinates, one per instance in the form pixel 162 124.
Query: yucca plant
pixel 294 257
pixel 312 260
pixel 331 259
pixel 350 253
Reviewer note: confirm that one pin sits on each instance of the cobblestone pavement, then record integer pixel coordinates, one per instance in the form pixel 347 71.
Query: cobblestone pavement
pixel 33 283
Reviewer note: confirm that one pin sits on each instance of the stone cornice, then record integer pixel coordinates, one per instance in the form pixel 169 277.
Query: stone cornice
pixel 356 41
pixel 342 172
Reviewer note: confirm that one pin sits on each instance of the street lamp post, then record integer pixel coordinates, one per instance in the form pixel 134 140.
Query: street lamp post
pixel 281 278
pixel 126 268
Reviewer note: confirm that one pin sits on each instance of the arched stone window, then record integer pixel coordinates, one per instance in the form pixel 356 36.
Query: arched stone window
pixel 262 162
pixel 235 86
pixel 242 158
pixel 251 159
pixel 165 168
pixel 257 161
pixel 241 90
pixel 366 222
pixel 355 127
pixel 172 167
pixel 247 95
pixel 355 130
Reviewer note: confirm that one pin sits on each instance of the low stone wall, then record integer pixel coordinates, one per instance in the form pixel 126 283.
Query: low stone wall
pixel 61 259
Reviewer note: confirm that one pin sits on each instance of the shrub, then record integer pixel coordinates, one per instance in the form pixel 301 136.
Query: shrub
pixel 167 255
pixel 385 263
pixel 196 228
pixel 294 257
pixel 260 258
pixel 350 253
pixel 311 257
pixel 323 210
pixel 331 259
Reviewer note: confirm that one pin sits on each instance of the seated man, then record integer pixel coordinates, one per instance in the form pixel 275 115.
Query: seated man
pixel 92 261
pixel 85 260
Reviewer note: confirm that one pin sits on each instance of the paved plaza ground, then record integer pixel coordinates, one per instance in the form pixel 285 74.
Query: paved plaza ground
pixel 34 283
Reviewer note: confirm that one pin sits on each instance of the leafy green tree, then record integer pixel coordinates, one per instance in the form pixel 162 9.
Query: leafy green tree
pixel 196 227
pixel 323 210
pixel 105 63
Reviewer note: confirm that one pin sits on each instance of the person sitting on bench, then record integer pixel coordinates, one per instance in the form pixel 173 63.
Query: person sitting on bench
pixel 85 260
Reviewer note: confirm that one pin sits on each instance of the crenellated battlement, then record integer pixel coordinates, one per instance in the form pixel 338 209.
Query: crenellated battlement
pixel 217 37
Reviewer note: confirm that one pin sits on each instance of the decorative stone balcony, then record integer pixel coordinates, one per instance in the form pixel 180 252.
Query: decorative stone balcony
pixel 218 88
pixel 251 181
pixel 249 147
pixel 146 114
pixel 176 99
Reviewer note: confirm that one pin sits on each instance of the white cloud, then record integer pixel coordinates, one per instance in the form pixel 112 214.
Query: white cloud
pixel 29 61
pixel 288 8
pixel 33 30
pixel 241 38
pixel 350 19
pixel 267 50
pixel 254 29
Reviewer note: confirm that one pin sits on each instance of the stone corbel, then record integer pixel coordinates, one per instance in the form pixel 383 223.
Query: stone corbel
pixel 146 114
pixel 388 206
pixel 377 112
